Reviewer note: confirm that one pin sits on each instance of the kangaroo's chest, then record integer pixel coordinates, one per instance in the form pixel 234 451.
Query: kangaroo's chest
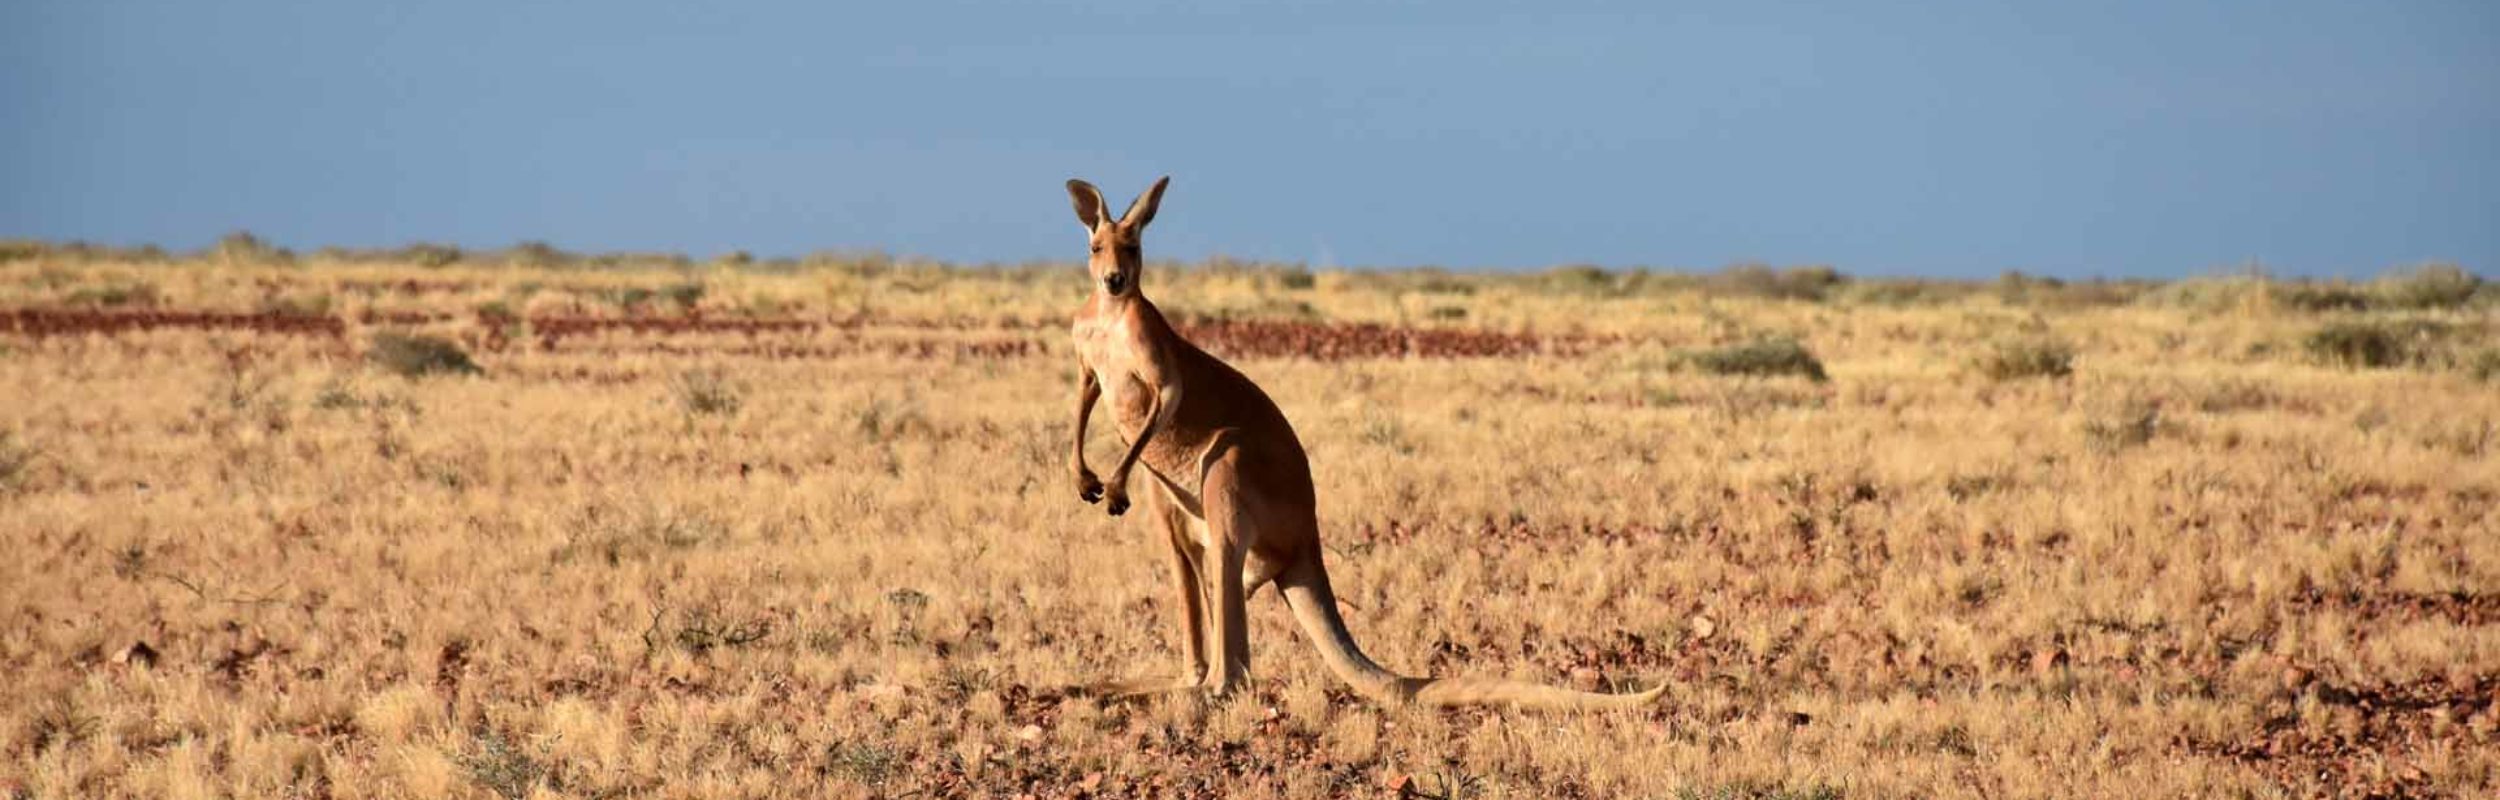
pixel 1111 350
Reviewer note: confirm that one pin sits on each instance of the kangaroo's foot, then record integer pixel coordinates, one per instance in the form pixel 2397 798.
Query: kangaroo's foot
pixel 1142 688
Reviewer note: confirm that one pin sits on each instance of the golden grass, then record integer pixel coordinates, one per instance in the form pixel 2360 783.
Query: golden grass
pixel 846 560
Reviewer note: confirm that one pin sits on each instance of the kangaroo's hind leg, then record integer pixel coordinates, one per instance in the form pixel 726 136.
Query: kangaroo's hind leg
pixel 1166 519
pixel 1232 530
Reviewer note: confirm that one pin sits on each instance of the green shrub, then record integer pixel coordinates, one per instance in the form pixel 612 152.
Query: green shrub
pixel 2027 358
pixel 1761 357
pixel 416 356
pixel 2374 344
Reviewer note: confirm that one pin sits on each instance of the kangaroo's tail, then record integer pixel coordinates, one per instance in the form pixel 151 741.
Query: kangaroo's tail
pixel 1305 586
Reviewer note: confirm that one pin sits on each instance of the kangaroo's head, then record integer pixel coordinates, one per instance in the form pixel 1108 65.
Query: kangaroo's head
pixel 1116 259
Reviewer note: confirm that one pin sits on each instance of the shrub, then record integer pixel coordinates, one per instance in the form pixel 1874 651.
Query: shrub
pixel 22 250
pixel 1763 357
pixel 536 253
pixel 416 356
pixel 2319 297
pixel 2027 358
pixel 2371 343
pixel 1808 283
pixel 2426 287
pixel 1580 279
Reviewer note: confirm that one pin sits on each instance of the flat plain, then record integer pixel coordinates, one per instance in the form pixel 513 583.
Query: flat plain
pixel 517 527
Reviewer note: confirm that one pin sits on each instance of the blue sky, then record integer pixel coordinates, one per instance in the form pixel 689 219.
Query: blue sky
pixel 2077 139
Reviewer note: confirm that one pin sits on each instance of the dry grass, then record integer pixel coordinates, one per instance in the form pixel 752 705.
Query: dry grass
pixel 668 545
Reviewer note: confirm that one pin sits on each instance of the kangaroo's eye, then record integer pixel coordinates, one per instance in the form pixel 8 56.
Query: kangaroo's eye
pixel 1097 249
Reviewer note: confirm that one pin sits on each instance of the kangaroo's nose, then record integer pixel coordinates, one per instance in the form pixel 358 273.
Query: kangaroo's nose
pixel 1113 282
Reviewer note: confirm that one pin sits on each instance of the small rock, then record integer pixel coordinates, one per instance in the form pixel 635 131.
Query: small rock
pixel 1703 627
pixel 1029 733
pixel 1400 783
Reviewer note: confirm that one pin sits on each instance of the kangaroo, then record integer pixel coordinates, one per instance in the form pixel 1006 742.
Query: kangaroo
pixel 1229 489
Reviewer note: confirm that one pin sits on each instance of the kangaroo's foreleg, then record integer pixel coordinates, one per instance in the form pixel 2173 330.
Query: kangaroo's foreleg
pixel 1088 390
pixel 1166 399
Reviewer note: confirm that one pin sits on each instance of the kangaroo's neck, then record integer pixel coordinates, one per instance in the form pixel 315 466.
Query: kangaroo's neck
pixel 1122 304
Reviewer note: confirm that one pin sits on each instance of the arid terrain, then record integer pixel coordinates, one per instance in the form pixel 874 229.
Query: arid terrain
pixel 432 524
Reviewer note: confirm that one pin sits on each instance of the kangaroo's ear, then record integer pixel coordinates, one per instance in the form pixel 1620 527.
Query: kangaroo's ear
pixel 1143 211
pixel 1089 203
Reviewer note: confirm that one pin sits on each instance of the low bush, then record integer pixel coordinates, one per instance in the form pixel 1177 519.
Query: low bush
pixel 1761 357
pixel 2013 359
pixel 417 356
pixel 2373 344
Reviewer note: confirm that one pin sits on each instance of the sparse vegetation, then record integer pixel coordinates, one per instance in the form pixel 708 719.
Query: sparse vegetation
pixel 826 545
